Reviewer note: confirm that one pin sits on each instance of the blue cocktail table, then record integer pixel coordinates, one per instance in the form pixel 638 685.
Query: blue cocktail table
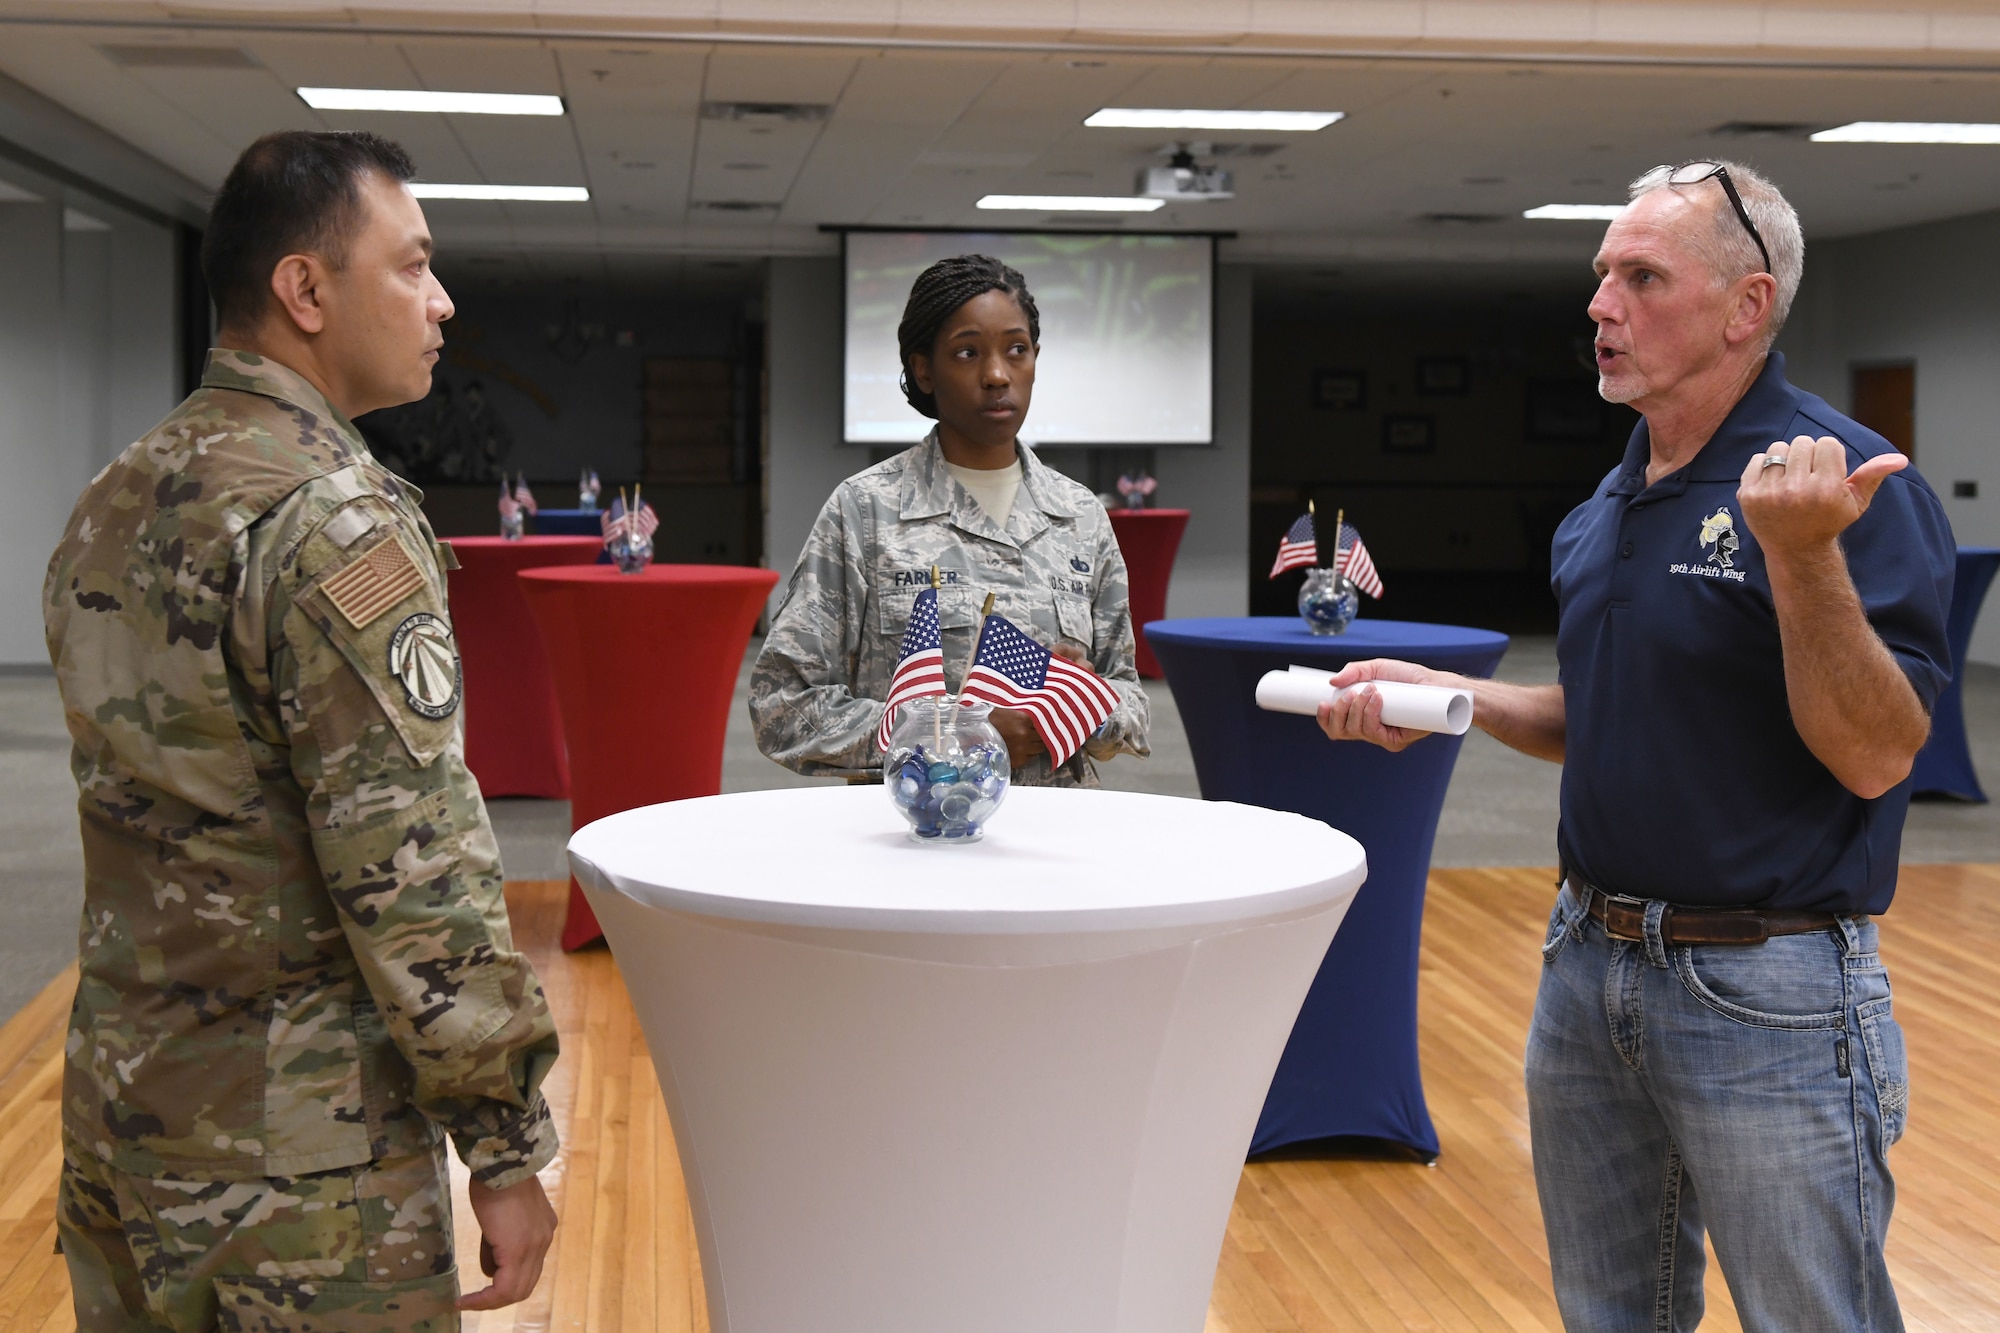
pixel 1351 1065
pixel 1944 765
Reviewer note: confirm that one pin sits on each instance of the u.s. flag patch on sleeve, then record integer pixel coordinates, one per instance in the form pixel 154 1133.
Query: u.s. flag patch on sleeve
pixel 380 577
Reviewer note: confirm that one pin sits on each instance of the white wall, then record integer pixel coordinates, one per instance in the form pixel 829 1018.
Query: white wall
pixel 1926 295
pixel 807 458
pixel 86 365
pixel 38 474
pixel 1212 572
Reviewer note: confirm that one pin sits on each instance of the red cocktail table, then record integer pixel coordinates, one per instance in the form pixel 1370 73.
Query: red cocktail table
pixel 1149 539
pixel 644 667
pixel 513 732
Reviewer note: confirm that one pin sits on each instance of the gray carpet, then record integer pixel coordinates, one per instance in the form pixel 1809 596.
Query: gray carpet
pixel 1501 809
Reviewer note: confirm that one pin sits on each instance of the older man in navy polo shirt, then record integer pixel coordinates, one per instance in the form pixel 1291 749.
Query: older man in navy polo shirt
pixel 1751 639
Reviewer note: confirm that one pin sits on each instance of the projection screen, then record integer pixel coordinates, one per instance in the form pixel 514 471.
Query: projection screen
pixel 1127 332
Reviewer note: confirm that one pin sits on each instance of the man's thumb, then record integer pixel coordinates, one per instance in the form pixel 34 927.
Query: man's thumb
pixel 1864 480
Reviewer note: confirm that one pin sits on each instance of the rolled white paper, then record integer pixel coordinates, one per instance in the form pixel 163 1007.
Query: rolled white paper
pixel 1411 707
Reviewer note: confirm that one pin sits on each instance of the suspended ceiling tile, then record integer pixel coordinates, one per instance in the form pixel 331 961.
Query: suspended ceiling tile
pixel 67 69
pixel 236 106
pixel 1364 20
pixel 750 161
pixel 332 62
pixel 1216 19
pixel 437 152
pixel 521 150
pixel 760 74
pixel 818 13
pixel 1021 18
pixel 456 65
pixel 1879 29
pixel 1680 24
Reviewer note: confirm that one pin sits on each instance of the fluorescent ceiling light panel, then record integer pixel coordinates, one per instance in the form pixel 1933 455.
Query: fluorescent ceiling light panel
pixel 540 194
pixel 1909 131
pixel 1161 118
pixel 1071 203
pixel 416 99
pixel 1575 212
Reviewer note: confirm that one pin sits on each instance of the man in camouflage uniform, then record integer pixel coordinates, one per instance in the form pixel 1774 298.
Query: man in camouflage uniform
pixel 297 971
pixel 816 694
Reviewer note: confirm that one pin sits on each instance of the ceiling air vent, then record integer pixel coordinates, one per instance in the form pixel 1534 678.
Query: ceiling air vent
pixel 1763 129
pixel 1459 219
pixel 180 57
pixel 795 113
pixel 734 206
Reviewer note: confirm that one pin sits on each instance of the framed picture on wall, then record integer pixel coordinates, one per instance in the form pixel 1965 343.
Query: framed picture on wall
pixel 1409 435
pixel 1564 412
pixel 1442 376
pixel 1340 390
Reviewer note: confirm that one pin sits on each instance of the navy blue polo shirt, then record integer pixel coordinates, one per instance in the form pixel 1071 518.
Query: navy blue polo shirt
pixel 1684 778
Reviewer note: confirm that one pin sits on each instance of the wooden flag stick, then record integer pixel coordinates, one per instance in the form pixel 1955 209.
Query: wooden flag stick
pixel 1313 513
pixel 977 638
pixel 1339 518
pixel 937 714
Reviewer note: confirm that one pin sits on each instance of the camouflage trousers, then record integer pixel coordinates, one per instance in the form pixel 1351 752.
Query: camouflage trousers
pixel 364 1249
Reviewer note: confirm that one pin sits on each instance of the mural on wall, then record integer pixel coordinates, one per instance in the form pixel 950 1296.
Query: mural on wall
pixel 452 435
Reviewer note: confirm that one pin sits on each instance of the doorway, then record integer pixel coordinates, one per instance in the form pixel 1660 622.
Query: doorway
pixel 1885 401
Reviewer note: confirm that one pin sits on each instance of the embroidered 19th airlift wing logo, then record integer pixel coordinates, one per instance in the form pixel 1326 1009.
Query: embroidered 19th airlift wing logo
pixel 1718 531
pixel 424 661
pixel 375 581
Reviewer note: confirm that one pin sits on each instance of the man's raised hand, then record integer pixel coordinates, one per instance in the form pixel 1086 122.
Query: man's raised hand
pixel 1810 498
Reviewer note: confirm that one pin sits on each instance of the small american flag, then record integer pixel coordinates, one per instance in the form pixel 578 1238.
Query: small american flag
pixel 1299 549
pixel 615 522
pixel 1066 702
pixel 1352 559
pixel 523 496
pixel 920 670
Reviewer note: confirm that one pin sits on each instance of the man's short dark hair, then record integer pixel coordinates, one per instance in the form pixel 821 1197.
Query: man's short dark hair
pixel 293 192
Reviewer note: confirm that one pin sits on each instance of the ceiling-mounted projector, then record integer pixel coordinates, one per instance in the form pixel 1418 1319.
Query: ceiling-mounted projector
pixel 1181 178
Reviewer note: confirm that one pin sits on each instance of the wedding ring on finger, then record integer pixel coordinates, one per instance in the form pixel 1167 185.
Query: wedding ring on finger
pixel 1774 460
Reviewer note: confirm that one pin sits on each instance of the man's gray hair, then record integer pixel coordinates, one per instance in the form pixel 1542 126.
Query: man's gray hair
pixel 1727 247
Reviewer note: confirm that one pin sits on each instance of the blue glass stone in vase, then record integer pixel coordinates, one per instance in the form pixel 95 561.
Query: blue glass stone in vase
pixel 631 554
pixel 1328 601
pixel 946 770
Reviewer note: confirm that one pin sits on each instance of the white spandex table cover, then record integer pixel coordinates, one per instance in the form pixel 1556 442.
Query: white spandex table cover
pixel 1003 1087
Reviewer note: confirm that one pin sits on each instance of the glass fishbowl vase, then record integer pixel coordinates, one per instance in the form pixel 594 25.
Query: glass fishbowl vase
pixel 946 769
pixel 1328 601
pixel 631 554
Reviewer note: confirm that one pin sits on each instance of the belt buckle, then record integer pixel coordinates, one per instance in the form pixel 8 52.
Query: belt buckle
pixel 1637 905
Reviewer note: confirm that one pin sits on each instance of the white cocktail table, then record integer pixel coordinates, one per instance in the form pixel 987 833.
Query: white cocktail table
pixel 1004 1088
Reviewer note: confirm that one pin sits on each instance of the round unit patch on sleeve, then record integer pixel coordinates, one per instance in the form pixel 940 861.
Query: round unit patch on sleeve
pixel 424 661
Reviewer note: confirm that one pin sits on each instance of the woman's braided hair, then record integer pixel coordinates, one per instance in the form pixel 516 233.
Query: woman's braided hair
pixel 939 291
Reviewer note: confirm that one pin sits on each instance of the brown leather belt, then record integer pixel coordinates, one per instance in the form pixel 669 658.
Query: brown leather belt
pixel 1625 919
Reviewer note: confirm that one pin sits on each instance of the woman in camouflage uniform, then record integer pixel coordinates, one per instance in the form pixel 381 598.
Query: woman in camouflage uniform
pixel 970 501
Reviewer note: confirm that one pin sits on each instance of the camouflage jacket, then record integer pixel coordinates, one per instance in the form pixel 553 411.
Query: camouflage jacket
pixel 295 954
pixel 1055 569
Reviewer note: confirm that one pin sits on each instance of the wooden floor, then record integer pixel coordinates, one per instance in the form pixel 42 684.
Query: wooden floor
pixel 1312 1245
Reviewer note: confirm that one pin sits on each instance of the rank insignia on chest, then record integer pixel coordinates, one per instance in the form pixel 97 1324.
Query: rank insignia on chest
pixel 424 660
pixel 1079 564
pixel 373 582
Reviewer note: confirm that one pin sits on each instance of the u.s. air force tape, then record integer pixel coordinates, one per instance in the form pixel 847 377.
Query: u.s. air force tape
pixel 424 661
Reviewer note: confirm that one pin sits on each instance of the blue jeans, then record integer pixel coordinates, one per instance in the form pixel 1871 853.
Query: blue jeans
pixel 1751 1091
